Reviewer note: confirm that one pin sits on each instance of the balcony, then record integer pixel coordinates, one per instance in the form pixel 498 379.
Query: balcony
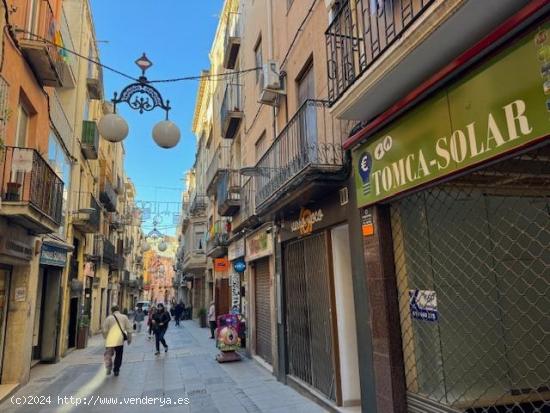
pixel 90 139
pixel 232 40
pixel 49 64
pixel 108 252
pixel 119 185
pixel 87 223
pixel 220 163
pixel 231 112
pixel 377 51
pixel 94 82
pixel 247 217
pixel 107 195
pixel 218 241
pixel 229 193
pixel 307 153
pixel 116 221
pixel 198 205
pixel 32 193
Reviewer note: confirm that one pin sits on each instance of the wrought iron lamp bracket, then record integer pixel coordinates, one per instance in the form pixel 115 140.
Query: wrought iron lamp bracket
pixel 141 96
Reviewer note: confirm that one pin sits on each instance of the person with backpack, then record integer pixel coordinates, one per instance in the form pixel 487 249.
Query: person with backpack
pixel 160 322
pixel 116 330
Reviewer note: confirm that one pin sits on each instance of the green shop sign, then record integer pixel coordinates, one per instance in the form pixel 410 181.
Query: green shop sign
pixel 502 106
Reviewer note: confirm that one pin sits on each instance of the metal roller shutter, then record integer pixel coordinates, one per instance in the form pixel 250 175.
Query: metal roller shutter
pixel 263 310
pixel 309 328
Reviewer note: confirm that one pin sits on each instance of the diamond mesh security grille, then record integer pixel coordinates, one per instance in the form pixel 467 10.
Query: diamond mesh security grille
pixel 472 261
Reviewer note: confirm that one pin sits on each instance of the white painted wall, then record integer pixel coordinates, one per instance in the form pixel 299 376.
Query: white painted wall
pixel 345 313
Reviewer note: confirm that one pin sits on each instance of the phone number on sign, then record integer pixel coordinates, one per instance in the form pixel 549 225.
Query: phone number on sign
pixel 99 401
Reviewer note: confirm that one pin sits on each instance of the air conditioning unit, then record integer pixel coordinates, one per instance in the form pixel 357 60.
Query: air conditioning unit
pixel 271 83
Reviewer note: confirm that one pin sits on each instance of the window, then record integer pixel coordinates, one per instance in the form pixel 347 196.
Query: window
pixel 199 241
pixel 90 57
pixel 260 146
pixel 59 161
pixel 34 10
pixel 22 126
pixel 258 58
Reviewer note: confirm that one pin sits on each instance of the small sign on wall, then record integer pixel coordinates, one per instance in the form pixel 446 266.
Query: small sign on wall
pixel 20 294
pixel 367 224
pixel 423 305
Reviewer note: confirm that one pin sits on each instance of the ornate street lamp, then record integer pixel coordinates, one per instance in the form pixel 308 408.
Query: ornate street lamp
pixel 143 97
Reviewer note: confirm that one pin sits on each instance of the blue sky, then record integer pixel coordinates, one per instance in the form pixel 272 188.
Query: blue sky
pixel 176 35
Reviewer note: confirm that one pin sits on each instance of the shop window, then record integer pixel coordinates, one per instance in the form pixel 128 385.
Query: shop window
pixel 472 270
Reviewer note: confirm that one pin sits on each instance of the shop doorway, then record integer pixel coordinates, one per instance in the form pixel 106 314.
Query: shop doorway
pixel 5 275
pixel 308 313
pixel 73 318
pixel 46 317
pixel 262 300
pixel 222 296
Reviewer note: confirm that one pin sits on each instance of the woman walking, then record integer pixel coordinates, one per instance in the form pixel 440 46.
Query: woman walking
pixel 160 324
pixel 152 312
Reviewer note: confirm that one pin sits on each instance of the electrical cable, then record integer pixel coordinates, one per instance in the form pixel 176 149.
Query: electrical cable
pixel 212 77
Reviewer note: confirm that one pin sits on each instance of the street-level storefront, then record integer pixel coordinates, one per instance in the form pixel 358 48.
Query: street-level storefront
pixel 18 288
pixel 47 314
pixel 455 200
pixel 321 341
pixel 259 259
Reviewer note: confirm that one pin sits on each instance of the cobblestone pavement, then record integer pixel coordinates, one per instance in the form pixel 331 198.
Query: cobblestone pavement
pixel 188 370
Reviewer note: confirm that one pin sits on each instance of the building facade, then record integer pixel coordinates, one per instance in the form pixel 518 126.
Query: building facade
pixel 50 210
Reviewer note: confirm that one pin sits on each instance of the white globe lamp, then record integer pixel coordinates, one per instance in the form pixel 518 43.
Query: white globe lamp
pixel 145 246
pixel 162 246
pixel 113 127
pixel 166 134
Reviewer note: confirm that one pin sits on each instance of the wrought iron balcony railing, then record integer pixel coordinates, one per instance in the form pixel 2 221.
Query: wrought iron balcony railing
pixel 220 163
pixel 50 64
pixel 87 222
pixel 107 194
pixel 231 112
pixel 109 253
pixel 218 239
pixel 360 33
pixel 90 139
pixel 310 143
pixel 28 180
pixel 232 40
pixel 229 188
pixel 198 204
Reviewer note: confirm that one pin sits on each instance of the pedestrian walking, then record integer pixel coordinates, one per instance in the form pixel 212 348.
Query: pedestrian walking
pixel 152 312
pixel 212 319
pixel 160 324
pixel 139 316
pixel 178 312
pixel 116 330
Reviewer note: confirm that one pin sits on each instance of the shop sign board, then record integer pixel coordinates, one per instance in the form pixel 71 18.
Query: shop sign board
pixel 307 219
pixel 500 107
pixel 423 305
pixel 236 250
pixel 221 264
pixel 53 256
pixel 15 248
pixel 259 245
pixel 239 265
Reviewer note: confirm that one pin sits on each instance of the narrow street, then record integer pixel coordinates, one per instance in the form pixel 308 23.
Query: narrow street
pixel 188 370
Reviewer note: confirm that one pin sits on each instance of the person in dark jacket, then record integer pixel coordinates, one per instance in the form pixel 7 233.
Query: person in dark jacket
pixel 160 322
pixel 178 311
